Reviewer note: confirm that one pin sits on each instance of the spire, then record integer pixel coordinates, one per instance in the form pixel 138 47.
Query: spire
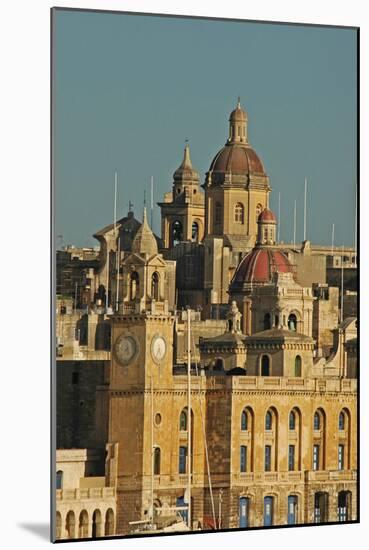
pixel 144 241
pixel 186 163
pixel 186 173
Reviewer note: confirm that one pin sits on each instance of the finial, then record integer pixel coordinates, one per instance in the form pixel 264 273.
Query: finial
pixel 130 206
pixel 238 102
pixel 144 198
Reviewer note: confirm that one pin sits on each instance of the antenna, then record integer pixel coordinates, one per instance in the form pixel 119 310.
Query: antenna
pixel 152 202
pixel 305 209
pixel 279 215
pixel 332 239
pixel 294 224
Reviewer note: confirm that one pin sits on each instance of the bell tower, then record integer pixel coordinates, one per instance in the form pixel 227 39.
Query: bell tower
pixel 141 368
pixel 182 212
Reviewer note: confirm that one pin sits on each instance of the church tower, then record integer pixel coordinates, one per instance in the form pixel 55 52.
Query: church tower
pixel 236 186
pixel 141 368
pixel 182 212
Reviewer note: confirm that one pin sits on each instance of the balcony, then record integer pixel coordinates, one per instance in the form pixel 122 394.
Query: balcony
pixel 94 493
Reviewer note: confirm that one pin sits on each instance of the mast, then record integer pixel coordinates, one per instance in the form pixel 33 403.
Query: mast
pixel 342 285
pixel 305 209
pixel 115 200
pixel 152 449
pixel 279 215
pixel 117 281
pixel 332 240
pixel 189 422
pixel 152 203
pixel 355 229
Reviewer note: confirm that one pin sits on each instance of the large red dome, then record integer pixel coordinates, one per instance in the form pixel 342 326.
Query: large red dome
pixel 259 266
pixel 237 159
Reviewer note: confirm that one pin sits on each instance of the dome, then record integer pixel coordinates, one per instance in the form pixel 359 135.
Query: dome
pixel 267 216
pixel 259 266
pixel 237 159
pixel 144 241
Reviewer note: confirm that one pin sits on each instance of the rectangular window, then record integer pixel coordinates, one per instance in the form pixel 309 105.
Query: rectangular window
pixel 182 460
pixel 268 511
pixel 316 457
pixel 291 457
pixel 341 459
pixel 268 458
pixel 243 458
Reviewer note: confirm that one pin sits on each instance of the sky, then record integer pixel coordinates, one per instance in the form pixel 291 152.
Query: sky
pixel 130 89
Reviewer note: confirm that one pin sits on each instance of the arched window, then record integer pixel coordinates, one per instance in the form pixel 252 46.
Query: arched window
pixel 83 525
pixel 239 213
pixel 59 479
pixel 244 420
pixel 157 457
pixel 177 232
pixel 218 213
pixel 70 525
pixel 134 286
pixel 268 421
pixel 219 364
pixel 341 421
pixel 316 421
pixel 267 321
pixel 344 506
pixel 292 420
pixel 109 522
pixel 195 232
pixel 96 524
pixel 155 286
pixel 298 363
pixel 265 366
pixel 183 421
pixel 292 322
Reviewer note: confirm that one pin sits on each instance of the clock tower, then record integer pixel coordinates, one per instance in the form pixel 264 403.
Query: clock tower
pixel 141 368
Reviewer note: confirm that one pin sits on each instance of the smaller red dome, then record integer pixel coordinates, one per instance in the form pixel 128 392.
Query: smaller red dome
pixel 267 216
pixel 259 266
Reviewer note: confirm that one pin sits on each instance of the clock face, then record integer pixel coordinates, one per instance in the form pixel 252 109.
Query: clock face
pixel 158 348
pixel 125 349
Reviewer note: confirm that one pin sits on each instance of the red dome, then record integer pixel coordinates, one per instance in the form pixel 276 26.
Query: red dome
pixel 259 266
pixel 267 216
pixel 237 159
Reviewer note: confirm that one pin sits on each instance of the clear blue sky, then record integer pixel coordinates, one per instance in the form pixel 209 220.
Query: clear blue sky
pixel 130 89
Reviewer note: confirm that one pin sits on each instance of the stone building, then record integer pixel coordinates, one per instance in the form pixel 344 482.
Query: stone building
pixel 85 493
pixel 270 435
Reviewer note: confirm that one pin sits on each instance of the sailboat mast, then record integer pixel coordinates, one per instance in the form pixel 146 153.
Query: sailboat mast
pixel 189 417
pixel 152 449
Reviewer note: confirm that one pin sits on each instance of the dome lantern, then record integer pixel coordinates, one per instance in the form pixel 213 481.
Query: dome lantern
pixel 238 125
